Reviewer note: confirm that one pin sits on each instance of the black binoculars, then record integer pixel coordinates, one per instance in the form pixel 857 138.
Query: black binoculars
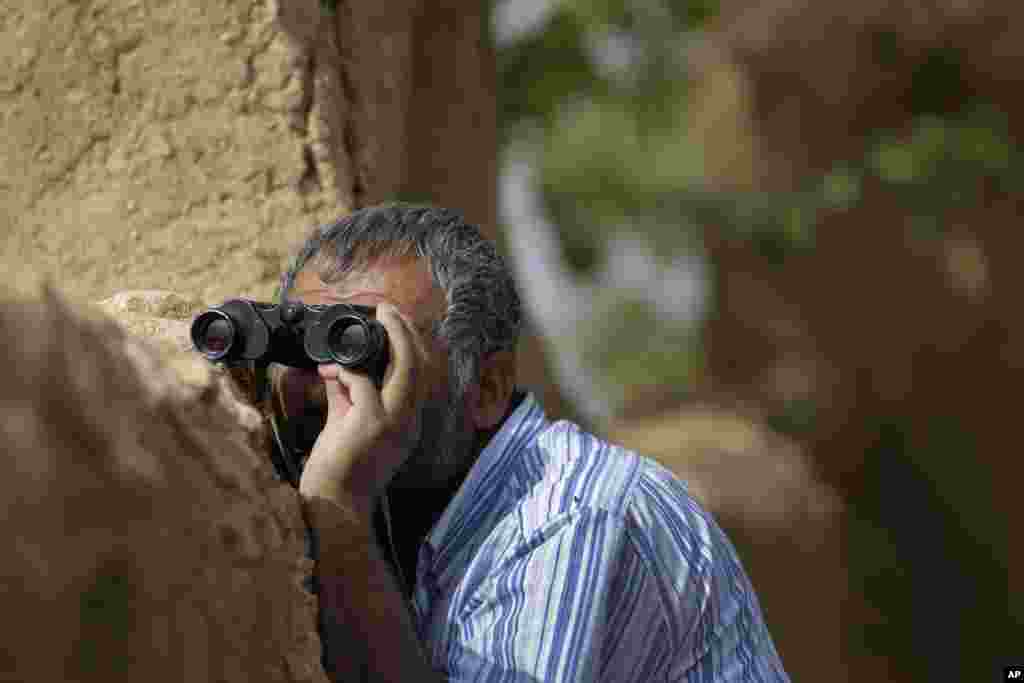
pixel 240 331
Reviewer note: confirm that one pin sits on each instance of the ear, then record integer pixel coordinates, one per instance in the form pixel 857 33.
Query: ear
pixel 489 398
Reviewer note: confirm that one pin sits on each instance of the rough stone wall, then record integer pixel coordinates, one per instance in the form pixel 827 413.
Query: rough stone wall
pixel 187 144
pixel 155 143
pixel 181 144
pixel 145 535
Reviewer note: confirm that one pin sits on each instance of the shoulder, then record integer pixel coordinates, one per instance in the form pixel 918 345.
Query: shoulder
pixel 570 468
pixel 571 473
pixel 567 470
pixel 578 506
pixel 597 473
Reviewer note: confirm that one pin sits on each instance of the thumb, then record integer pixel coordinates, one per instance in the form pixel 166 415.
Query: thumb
pixel 358 387
pixel 352 388
pixel 338 398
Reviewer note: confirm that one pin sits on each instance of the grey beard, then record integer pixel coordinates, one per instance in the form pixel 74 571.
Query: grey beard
pixel 442 436
pixel 444 444
pixel 301 431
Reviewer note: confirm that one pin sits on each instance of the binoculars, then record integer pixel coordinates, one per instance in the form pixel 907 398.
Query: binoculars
pixel 240 331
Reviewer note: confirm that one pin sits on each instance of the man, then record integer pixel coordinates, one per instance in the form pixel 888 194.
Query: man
pixel 461 535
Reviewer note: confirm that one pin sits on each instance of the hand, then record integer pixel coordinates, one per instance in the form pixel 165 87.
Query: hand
pixel 369 434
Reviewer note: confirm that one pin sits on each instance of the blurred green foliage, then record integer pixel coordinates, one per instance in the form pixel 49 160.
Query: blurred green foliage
pixel 600 89
pixel 796 418
pixel 945 163
pixel 615 154
pixel 600 93
pixel 941 164
pixel 636 350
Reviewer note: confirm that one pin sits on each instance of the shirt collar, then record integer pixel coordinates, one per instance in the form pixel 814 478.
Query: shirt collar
pixel 487 476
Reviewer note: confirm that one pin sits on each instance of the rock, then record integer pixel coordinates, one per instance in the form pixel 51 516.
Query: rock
pixel 161 317
pixel 147 538
pixel 152 302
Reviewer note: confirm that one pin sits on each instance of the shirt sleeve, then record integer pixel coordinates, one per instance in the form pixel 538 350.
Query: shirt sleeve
pixel 573 601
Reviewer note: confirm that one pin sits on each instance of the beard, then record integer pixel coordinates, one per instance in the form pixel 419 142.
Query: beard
pixel 443 437
pixel 444 444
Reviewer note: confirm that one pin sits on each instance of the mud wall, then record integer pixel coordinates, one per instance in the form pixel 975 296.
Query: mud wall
pixel 186 144
pixel 145 534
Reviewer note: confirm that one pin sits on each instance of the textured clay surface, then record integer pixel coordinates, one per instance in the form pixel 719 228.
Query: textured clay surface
pixel 146 537
pixel 190 144
pixel 182 144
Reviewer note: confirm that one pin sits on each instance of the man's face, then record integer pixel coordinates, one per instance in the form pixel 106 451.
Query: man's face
pixel 445 434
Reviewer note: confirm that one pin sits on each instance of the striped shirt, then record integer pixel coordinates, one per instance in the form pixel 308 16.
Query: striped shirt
pixel 565 558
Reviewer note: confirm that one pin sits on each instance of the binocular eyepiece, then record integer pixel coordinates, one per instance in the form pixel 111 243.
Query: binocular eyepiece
pixel 241 330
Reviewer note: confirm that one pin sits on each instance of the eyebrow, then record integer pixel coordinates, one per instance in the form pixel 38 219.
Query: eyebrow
pixel 357 292
pixel 330 294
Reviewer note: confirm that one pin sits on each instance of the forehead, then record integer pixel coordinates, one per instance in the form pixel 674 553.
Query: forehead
pixel 404 282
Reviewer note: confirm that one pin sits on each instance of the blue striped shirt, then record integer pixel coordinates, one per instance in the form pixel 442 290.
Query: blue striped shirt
pixel 565 558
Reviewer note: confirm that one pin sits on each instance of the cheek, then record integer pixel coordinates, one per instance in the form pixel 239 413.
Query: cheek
pixel 441 392
pixel 436 371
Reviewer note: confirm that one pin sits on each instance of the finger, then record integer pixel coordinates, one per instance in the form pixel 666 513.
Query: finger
pixel 400 380
pixel 338 394
pixel 327 371
pixel 360 387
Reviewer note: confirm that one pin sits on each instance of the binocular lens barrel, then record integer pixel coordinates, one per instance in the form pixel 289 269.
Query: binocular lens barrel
pixel 246 331
pixel 348 340
pixel 213 334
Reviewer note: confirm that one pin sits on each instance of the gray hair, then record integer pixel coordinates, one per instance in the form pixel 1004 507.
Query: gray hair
pixel 483 313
